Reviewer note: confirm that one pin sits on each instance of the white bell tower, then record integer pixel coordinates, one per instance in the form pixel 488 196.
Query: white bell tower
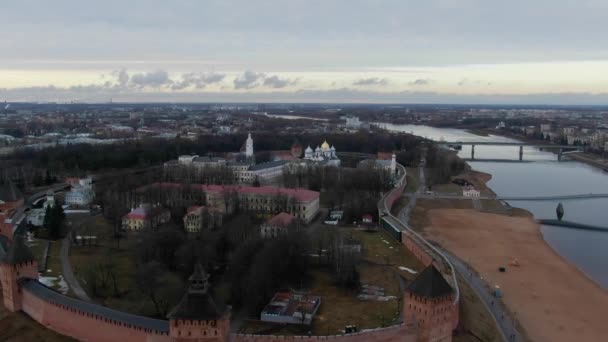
pixel 249 146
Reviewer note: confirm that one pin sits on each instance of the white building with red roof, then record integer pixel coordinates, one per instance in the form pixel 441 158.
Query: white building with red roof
pixel 146 216
pixel 277 225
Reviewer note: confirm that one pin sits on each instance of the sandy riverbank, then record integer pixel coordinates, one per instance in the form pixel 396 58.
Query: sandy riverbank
pixel 552 299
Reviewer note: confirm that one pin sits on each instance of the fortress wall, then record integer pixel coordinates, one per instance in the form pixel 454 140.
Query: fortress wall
pixel 418 252
pixel 83 326
pixel 394 196
pixel 397 333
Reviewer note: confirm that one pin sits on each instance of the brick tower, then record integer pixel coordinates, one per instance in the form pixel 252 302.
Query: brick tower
pixel 198 316
pixel 428 302
pixel 16 264
pixel 10 199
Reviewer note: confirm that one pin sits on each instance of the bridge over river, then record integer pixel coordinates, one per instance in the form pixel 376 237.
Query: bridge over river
pixel 560 148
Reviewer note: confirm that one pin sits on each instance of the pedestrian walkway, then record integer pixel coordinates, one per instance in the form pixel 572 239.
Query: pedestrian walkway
pixel 68 274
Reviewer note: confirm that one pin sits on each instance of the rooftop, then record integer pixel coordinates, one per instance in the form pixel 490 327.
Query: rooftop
pixel 281 219
pixel 430 283
pixel 198 303
pixel 267 165
pixel 144 211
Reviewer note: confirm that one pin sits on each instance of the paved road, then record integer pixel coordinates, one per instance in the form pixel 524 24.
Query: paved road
pixel 68 275
pixel 503 320
pixel 404 214
pixel 518 198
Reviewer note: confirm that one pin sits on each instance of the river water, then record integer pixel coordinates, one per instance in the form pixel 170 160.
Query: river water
pixel 545 176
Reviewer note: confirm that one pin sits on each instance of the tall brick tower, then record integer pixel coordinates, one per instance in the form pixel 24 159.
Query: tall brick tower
pixel 16 264
pixel 428 302
pixel 198 316
pixel 10 199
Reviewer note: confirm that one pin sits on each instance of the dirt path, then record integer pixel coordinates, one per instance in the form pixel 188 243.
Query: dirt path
pixel 551 298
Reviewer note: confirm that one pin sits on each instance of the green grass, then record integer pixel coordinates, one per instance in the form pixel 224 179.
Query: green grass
pixel 85 259
pixel 380 248
pixel 381 259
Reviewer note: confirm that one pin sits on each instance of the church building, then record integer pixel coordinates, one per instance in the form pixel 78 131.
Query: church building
pixel 325 155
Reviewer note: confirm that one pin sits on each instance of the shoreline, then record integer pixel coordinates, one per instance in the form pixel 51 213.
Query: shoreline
pixel 543 288
pixel 581 272
pixel 486 177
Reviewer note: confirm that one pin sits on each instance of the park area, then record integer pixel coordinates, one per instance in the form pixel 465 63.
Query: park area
pixel 383 262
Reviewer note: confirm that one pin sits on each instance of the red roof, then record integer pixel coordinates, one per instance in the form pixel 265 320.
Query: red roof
pixel 282 219
pixel 301 195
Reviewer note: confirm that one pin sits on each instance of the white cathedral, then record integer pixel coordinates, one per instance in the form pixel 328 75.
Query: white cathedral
pixel 324 154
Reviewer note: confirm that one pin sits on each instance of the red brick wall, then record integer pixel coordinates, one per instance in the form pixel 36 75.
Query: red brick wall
pixel 398 333
pixel 433 316
pixel 394 196
pixel 418 252
pixel 81 326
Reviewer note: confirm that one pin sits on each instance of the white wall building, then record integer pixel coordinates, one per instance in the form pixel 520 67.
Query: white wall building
pixel 471 193
pixel 81 194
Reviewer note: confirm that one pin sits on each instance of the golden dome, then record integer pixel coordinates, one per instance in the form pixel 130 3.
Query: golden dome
pixel 325 146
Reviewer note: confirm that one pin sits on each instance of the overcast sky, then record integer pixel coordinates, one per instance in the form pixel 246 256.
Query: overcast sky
pixel 457 51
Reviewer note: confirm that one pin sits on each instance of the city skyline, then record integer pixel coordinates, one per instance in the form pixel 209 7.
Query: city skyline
pixel 441 51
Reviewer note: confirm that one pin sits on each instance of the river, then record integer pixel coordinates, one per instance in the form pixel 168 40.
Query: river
pixel 545 176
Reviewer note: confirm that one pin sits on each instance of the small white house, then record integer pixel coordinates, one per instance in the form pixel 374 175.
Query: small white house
pixel 471 193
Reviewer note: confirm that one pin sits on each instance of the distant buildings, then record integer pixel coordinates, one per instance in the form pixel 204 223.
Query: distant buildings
pixel 146 216
pixel 244 169
pixel 352 122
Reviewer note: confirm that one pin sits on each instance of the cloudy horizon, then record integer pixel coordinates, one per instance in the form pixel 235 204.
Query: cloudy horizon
pixel 436 51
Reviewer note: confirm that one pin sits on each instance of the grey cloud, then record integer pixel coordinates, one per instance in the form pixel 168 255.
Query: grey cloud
pixel 249 79
pixel 466 81
pixel 277 82
pixel 197 80
pixel 372 81
pixel 154 79
pixel 420 82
